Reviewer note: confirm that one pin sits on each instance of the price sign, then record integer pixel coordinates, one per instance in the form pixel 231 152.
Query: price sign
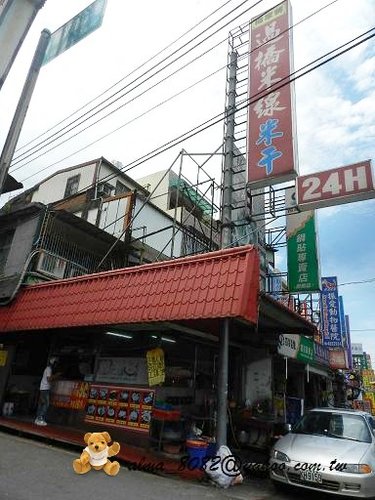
pixel 337 186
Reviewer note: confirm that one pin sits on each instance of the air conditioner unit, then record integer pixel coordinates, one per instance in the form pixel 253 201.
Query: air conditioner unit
pixel 51 265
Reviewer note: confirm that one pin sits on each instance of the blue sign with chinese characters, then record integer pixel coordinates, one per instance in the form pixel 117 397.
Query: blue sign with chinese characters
pixel 331 327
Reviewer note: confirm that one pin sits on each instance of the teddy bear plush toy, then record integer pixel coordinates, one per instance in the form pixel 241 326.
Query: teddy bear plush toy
pixel 95 455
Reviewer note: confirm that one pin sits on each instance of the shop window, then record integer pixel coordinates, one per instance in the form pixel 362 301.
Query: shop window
pixel 72 185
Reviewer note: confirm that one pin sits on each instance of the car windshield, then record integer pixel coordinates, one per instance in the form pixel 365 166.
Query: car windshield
pixel 334 425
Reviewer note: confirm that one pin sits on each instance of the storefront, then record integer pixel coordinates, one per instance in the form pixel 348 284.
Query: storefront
pixel 138 347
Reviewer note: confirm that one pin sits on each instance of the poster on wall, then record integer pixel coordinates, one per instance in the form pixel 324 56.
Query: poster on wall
pixel 155 366
pixel 122 371
pixel 70 394
pixel 271 149
pixel 119 406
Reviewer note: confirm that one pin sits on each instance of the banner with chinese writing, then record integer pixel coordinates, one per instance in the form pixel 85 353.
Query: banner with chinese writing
pixel 330 313
pixel 155 366
pixel 70 394
pixel 302 250
pixel 120 406
pixel 271 148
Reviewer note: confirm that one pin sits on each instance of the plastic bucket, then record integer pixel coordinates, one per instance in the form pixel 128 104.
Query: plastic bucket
pixel 197 451
pixel 211 450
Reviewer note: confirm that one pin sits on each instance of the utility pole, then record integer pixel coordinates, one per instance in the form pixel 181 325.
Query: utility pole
pixel 226 241
pixel 23 104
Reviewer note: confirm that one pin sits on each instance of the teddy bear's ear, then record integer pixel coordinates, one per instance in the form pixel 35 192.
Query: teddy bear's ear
pixel 86 437
pixel 106 436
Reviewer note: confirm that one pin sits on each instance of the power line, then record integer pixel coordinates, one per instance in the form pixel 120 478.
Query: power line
pixel 289 79
pixel 139 95
pixel 142 82
pixel 126 76
pixel 106 135
pixel 370 280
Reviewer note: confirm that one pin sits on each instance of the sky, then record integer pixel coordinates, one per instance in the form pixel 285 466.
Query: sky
pixel 335 107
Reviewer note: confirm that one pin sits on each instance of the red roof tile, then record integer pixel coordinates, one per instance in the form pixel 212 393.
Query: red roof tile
pixel 213 285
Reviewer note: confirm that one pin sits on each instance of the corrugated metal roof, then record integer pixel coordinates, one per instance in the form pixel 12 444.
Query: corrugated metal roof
pixel 213 285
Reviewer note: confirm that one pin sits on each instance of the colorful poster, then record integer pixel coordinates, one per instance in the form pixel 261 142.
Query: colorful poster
pixel 271 148
pixel 119 406
pixel 302 250
pixel 155 366
pixel 330 313
pixel 70 394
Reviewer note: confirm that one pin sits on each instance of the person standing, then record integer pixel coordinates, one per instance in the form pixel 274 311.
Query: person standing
pixel 44 391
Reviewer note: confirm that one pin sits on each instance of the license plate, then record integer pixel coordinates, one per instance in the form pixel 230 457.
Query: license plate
pixel 312 477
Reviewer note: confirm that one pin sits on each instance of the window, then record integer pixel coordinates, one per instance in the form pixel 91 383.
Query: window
pixel 105 190
pixel 120 188
pixel 72 185
pixel 6 239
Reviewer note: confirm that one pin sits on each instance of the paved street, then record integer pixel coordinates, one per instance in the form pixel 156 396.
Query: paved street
pixel 31 470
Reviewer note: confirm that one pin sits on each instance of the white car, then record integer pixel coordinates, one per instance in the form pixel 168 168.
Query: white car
pixel 330 450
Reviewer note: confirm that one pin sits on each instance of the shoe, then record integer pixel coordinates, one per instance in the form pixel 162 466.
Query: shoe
pixel 40 421
pixel 37 420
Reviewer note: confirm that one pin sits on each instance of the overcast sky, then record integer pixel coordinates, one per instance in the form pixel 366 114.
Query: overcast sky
pixel 334 105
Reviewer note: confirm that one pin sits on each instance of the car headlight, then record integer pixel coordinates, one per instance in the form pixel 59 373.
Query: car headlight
pixel 357 468
pixel 278 455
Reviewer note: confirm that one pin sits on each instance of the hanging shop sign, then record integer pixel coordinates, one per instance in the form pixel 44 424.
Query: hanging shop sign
pixel 336 186
pixel 155 366
pixel 306 350
pixel 330 313
pixel 302 251
pixel 349 348
pixel 303 349
pixel 288 345
pixel 321 354
pixel 271 151
pixel 70 394
pixel 120 406
pixel 338 359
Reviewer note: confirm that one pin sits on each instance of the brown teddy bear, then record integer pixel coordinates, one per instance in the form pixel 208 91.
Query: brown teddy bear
pixel 96 454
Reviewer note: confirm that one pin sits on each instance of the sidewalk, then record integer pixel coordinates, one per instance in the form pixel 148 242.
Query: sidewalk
pixel 31 469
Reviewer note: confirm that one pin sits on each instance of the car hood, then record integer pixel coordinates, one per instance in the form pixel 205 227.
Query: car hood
pixel 320 449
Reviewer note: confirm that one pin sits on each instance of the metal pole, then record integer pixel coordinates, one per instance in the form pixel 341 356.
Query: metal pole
pixel 23 104
pixel 226 241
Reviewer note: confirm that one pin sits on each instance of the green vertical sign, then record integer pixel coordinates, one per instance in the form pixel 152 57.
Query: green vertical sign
pixel 303 263
pixel 306 350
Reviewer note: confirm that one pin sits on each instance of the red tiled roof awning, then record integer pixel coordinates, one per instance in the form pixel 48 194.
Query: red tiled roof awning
pixel 222 284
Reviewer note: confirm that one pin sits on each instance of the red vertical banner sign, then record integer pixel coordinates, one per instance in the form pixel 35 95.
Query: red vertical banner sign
pixel 271 148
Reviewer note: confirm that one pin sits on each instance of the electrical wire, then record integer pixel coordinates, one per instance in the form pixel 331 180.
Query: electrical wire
pixel 139 95
pixel 145 74
pixel 289 79
pixel 126 76
pixel 246 102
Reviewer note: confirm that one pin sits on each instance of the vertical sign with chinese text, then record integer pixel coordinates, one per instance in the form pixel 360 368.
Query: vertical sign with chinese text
pixel 271 151
pixel 302 249
pixel 155 366
pixel 330 313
